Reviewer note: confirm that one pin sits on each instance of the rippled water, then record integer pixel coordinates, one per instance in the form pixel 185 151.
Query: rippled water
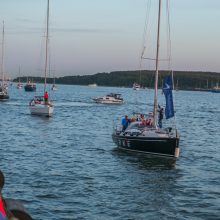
pixel 67 167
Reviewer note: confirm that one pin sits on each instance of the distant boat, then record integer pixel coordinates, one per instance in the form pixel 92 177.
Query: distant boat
pixel 136 86
pixel 19 84
pixel 30 87
pixel 54 87
pixel 112 98
pixel 41 105
pixel 3 86
pixel 146 135
pixel 93 85
pixel 216 89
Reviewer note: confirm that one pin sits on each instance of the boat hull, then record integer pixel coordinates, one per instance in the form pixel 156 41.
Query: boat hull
pixel 42 110
pixel 30 88
pixel 215 90
pixel 98 101
pixel 4 96
pixel 168 147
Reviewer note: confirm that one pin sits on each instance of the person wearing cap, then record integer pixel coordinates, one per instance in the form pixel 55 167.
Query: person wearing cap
pixel 125 123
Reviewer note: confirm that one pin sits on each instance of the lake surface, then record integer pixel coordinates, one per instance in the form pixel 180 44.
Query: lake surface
pixel 67 167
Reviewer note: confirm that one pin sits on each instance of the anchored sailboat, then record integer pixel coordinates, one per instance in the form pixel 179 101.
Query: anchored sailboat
pixel 19 84
pixel 3 87
pixel 54 87
pixel 146 135
pixel 41 105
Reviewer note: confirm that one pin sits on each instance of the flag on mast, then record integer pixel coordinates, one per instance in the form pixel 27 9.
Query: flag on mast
pixel 167 90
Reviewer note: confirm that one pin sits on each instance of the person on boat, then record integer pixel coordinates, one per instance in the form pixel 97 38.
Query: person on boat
pixel 46 97
pixel 133 119
pixel 142 119
pixel 149 122
pixel 125 122
pixel 160 116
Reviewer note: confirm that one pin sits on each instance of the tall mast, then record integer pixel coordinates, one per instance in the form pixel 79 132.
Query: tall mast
pixel 2 60
pixel 46 48
pixel 157 67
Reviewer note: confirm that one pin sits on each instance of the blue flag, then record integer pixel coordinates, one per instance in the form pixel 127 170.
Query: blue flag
pixel 167 90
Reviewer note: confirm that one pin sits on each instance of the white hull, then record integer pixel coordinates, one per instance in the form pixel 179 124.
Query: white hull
pixel 112 98
pixel 42 109
pixel 19 86
pixel 108 102
pixel 136 88
pixel 93 85
pixel 54 88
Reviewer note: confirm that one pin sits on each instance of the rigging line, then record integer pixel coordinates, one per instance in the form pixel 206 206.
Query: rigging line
pixel 146 24
pixel 147 58
pixel 143 47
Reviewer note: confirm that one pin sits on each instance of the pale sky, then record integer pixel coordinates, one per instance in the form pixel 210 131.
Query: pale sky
pixel 91 36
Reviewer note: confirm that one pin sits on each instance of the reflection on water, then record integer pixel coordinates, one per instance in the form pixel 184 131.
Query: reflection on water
pixel 144 161
pixel 67 165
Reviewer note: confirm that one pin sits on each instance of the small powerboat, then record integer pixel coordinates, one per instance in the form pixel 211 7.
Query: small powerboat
pixel 112 98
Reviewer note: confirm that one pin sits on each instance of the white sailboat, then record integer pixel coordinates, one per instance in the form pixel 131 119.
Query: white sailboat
pixel 41 105
pixel 3 86
pixel 19 84
pixel 54 87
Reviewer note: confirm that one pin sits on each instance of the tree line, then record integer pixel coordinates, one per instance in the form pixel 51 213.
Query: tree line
pixel 183 80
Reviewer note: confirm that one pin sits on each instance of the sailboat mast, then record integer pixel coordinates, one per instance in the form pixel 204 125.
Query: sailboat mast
pixel 2 60
pixel 157 67
pixel 46 48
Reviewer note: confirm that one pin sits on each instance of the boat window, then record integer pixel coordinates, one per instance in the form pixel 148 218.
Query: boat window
pixel 136 125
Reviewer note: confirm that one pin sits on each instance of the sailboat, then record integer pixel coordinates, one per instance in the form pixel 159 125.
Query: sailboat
pixel 3 86
pixel 216 89
pixel 144 133
pixel 54 87
pixel 41 105
pixel 30 86
pixel 19 84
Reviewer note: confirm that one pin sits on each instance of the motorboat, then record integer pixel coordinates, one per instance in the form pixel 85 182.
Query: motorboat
pixel 112 98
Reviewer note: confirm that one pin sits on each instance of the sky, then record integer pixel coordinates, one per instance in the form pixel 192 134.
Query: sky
pixel 91 36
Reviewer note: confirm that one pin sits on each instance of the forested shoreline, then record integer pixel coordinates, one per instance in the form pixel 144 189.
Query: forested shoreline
pixel 183 80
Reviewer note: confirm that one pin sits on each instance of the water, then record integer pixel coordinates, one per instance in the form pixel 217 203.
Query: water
pixel 67 167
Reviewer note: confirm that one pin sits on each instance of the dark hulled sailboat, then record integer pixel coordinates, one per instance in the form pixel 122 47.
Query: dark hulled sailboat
pixel 146 136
